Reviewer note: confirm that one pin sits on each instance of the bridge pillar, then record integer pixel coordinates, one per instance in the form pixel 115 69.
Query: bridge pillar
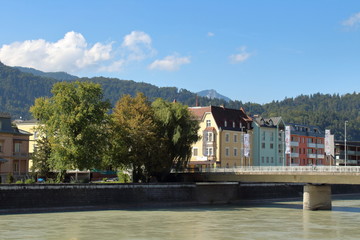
pixel 317 197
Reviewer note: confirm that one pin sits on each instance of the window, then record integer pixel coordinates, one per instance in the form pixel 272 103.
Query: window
pixel 263 136
pixel 36 135
pixel 195 152
pixel 17 147
pixel 263 145
pixel 16 167
pixel 272 159
pixel 267 159
pixel 262 159
pixel 235 137
pixel 227 152
pixel 208 123
pixel 227 137
pixel 225 123
pixel 209 137
pixel 233 124
pixel 271 136
pixel 235 152
pixel 209 151
pixel 0 124
pixel 1 146
pixel 271 146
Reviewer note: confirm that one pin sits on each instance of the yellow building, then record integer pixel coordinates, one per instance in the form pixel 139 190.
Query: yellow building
pixel 225 138
pixel 29 126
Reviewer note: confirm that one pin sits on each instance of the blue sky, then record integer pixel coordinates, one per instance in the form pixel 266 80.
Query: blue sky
pixel 255 51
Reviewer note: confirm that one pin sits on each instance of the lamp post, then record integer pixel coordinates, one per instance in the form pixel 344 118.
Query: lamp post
pixel 345 144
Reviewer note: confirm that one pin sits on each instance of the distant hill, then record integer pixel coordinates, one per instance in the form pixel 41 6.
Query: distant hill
pixel 18 91
pixel 62 76
pixel 213 94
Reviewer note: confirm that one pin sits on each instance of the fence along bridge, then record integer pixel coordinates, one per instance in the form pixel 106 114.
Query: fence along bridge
pixel 317 191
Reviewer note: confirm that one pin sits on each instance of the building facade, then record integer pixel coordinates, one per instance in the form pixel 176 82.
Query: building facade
pixel 225 138
pixel 352 153
pixel 307 146
pixel 14 149
pixel 268 141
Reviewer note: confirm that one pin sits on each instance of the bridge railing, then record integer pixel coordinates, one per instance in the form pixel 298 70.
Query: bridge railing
pixel 264 169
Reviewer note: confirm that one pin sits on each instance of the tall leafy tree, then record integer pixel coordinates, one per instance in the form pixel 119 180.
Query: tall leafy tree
pixel 40 158
pixel 73 120
pixel 178 131
pixel 134 138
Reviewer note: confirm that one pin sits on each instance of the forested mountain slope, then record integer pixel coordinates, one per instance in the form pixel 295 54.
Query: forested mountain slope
pixel 18 91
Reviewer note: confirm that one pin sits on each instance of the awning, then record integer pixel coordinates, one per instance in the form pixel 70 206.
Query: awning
pixel 2 160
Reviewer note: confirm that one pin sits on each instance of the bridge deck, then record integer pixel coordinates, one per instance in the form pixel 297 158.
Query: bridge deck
pixel 311 174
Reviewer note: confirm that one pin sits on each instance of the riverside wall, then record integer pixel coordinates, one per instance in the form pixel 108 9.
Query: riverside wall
pixel 57 197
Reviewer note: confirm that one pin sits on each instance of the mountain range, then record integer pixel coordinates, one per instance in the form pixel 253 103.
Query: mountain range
pixel 19 87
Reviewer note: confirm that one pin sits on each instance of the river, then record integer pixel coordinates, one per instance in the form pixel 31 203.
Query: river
pixel 277 220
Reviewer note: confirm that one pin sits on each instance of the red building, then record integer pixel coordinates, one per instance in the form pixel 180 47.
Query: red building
pixel 307 146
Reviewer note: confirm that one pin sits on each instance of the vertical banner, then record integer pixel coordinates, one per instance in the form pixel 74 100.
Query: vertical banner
pixel 327 142
pixel 287 140
pixel 246 145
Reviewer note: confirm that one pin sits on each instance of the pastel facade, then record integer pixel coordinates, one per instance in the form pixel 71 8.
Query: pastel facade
pixel 14 149
pixel 268 141
pixel 31 127
pixel 222 132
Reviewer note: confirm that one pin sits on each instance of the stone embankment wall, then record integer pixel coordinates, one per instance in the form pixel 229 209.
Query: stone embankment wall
pixel 48 197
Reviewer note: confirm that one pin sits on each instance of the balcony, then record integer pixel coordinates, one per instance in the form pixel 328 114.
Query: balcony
pixel 20 154
pixel 294 144
pixel 295 155
pixel 315 145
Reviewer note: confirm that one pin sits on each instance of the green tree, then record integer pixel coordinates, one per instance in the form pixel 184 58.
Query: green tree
pixel 73 119
pixel 40 158
pixel 177 132
pixel 134 136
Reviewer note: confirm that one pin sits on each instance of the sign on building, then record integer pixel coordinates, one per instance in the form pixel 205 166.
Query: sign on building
pixel 287 140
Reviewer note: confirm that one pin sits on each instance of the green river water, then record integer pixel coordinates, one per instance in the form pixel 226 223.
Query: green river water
pixel 277 220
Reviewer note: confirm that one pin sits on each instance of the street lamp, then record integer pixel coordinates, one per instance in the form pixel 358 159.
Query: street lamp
pixel 345 143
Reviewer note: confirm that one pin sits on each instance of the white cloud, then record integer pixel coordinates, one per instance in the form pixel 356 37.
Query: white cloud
pixel 352 21
pixel 169 63
pixel 210 34
pixel 138 44
pixel 70 54
pixel 240 57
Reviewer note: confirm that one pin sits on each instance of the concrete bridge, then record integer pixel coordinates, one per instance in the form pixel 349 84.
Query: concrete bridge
pixel 317 191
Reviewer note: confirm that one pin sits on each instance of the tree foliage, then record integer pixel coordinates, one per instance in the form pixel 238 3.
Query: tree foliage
pixel 152 138
pixel 73 120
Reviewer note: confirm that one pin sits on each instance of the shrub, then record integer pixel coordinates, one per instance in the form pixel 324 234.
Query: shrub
pixel 9 178
pixel 19 182
pixel 29 181
pixel 123 177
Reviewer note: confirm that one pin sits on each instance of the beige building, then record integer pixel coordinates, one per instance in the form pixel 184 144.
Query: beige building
pixel 14 149
pixel 225 138
pixel 29 126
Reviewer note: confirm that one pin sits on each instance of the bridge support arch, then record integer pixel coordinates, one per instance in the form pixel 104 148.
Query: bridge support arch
pixel 317 197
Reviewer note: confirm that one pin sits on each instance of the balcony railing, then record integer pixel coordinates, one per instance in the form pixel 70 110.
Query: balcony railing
pixel 20 154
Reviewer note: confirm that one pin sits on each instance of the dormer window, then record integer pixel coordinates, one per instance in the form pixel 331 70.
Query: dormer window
pixel 225 123
pixel 208 123
pixel 233 124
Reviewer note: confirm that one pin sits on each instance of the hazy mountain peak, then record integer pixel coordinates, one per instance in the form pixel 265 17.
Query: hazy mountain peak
pixel 211 93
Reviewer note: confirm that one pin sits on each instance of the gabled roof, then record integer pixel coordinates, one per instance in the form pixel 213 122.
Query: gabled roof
pixel 224 115
pixel 7 127
pixel 269 122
